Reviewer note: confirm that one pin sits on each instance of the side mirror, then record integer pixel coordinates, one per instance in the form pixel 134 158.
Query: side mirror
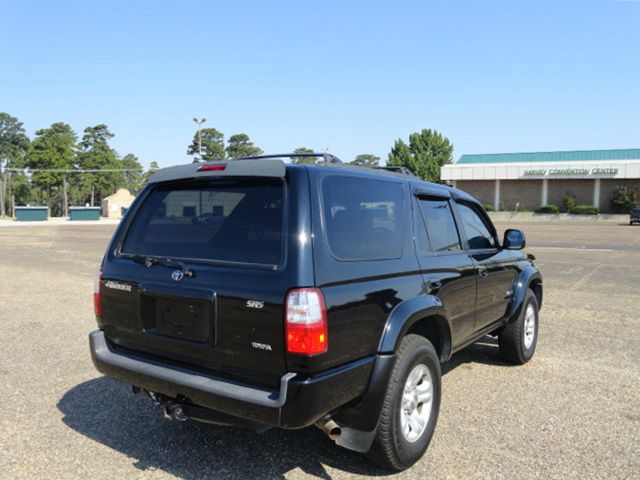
pixel 514 240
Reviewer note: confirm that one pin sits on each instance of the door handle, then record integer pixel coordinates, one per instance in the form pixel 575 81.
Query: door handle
pixel 432 285
pixel 483 272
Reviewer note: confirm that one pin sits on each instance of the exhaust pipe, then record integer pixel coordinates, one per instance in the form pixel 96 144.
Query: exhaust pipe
pixel 330 428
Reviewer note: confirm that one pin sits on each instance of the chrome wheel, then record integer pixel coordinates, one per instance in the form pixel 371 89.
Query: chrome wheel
pixel 417 398
pixel 529 326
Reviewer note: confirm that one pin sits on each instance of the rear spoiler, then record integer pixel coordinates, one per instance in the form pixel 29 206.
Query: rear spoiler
pixel 231 168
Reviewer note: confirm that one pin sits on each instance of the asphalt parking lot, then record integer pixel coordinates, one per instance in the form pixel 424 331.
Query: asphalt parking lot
pixel 572 412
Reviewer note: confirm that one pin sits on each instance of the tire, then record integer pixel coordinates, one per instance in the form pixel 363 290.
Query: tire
pixel 392 449
pixel 515 346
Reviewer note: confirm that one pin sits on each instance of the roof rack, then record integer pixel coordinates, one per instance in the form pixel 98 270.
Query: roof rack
pixel 327 157
pixel 396 169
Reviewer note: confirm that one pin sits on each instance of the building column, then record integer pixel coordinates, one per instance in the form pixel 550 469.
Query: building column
pixel 596 193
pixel 496 196
pixel 545 192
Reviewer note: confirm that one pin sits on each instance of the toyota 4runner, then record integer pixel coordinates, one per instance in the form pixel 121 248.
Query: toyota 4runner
pixel 260 293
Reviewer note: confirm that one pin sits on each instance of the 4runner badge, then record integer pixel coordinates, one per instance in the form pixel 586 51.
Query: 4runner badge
pixel 261 346
pixel 177 275
pixel 117 286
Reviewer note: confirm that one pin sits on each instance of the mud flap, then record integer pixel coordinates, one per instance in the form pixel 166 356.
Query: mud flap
pixel 356 440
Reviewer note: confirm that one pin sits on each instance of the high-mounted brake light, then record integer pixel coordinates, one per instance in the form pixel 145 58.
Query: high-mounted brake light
pixel 306 321
pixel 97 300
pixel 212 168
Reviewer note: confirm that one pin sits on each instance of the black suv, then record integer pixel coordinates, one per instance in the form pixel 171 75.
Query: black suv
pixel 260 293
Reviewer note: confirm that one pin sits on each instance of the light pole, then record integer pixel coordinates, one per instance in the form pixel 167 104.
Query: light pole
pixel 199 121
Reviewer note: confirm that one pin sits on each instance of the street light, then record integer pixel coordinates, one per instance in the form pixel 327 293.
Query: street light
pixel 199 121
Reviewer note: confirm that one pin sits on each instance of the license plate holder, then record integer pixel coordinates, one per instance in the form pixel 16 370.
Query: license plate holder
pixel 185 314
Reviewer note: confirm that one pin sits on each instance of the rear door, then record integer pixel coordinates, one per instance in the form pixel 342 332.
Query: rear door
pixel 495 268
pixel 228 315
pixel 447 270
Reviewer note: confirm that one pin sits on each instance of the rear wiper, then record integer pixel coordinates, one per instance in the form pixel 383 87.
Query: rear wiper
pixel 150 261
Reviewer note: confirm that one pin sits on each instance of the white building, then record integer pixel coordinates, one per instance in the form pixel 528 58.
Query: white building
pixel 113 204
pixel 530 180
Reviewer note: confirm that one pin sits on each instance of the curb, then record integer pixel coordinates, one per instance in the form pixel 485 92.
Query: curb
pixel 55 222
pixel 555 217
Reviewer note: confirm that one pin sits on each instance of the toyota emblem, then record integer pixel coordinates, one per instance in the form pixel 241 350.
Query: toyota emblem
pixel 177 275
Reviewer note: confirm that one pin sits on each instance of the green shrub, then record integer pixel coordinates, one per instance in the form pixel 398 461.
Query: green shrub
pixel 585 210
pixel 623 199
pixel 488 207
pixel 548 209
pixel 569 201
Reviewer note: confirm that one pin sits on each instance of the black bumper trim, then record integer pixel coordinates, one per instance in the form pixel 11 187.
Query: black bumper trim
pixel 103 354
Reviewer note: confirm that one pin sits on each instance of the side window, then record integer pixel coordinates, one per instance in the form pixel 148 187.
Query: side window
pixel 420 230
pixel 441 227
pixel 477 231
pixel 362 218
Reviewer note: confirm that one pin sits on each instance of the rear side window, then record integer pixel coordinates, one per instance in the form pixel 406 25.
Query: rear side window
pixel 441 227
pixel 362 218
pixel 230 221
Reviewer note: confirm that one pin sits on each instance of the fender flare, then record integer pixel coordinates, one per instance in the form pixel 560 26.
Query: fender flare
pixel 528 276
pixel 406 314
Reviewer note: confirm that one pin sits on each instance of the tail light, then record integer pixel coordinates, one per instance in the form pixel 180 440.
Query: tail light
pixel 97 301
pixel 306 317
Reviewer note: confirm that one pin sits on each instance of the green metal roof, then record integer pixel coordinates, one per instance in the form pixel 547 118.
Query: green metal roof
pixel 570 156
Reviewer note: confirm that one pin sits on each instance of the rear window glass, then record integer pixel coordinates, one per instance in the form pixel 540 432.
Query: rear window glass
pixel 362 218
pixel 441 227
pixel 231 221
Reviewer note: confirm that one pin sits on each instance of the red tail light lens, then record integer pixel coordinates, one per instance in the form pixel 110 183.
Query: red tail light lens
pixel 306 318
pixel 97 301
pixel 213 168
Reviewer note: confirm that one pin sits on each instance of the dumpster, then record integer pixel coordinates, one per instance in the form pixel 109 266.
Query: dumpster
pixel 32 214
pixel 84 213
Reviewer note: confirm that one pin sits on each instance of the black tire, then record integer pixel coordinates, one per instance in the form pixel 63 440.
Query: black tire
pixel 390 448
pixel 512 337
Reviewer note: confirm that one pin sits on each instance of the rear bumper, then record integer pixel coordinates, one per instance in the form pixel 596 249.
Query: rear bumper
pixel 297 403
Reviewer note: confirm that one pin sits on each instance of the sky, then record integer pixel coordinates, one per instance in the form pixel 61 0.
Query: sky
pixel 350 77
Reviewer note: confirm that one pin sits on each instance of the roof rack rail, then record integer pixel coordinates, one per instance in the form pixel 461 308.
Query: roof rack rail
pixel 327 157
pixel 396 169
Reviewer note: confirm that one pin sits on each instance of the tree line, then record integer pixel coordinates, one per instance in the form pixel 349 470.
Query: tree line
pixel 424 154
pixel 64 169
pixel 58 168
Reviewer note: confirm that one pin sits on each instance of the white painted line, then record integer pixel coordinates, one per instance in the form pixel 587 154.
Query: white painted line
pixel 574 249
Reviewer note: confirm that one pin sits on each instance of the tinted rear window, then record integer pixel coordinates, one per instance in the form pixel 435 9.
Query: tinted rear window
pixel 441 227
pixel 230 221
pixel 362 218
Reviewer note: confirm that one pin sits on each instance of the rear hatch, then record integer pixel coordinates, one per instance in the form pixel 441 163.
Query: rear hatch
pixel 198 275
